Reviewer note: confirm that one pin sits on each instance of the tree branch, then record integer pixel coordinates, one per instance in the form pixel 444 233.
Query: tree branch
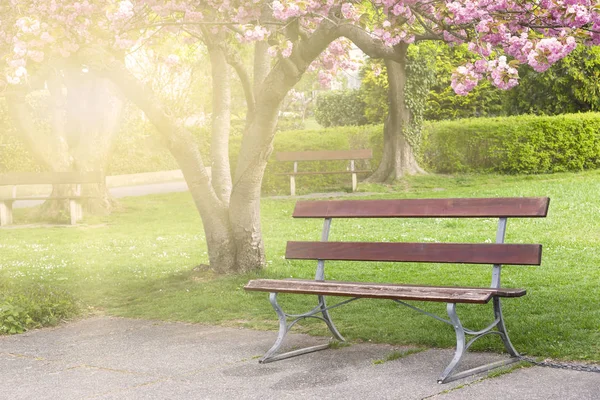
pixel 371 46
pixel 233 58
pixel 179 141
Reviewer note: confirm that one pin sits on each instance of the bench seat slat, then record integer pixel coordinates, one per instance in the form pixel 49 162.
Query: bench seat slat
pixel 325 172
pixel 45 198
pixel 464 253
pixel 49 178
pixel 383 291
pixel 425 208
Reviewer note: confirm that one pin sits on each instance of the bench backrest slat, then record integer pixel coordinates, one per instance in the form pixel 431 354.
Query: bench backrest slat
pixel 425 208
pixel 467 253
pixel 324 155
pixel 50 178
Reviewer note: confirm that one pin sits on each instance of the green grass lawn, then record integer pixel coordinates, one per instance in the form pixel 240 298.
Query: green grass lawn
pixel 134 264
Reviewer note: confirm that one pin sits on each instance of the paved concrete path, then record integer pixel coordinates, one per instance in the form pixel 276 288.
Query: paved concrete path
pixel 115 358
pixel 125 191
pixel 181 186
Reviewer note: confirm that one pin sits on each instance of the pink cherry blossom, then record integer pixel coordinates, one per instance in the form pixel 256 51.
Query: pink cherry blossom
pixel 537 33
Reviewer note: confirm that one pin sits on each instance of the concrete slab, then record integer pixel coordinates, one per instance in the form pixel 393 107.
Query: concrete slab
pixel 534 383
pixel 36 378
pixel 115 358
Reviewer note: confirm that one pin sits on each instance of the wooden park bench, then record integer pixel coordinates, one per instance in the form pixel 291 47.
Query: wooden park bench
pixel 16 179
pixel 495 254
pixel 324 155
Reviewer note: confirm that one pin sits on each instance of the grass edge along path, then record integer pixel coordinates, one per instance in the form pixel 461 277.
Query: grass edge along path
pixel 146 261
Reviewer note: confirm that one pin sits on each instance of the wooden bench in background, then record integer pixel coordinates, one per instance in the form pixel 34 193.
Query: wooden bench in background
pixel 324 155
pixel 16 179
pixel 495 254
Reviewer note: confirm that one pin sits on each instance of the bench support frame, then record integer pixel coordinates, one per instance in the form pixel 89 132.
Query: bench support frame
pixel 496 327
pixel 349 170
pixel 6 214
pixel 321 308
pixel 462 346
pixel 284 328
pixel 293 180
pixel 75 206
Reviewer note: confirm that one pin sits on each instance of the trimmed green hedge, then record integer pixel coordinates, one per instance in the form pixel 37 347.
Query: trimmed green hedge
pixel 340 108
pixel 523 144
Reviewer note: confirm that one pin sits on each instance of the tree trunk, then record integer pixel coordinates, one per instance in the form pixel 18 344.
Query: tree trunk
pixel 398 157
pixel 83 125
pixel 180 142
pixel 233 231
pixel 244 210
pixel 221 122
pixel 262 63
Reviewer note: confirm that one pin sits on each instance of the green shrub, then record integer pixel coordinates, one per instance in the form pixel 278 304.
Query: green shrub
pixel 340 108
pixel 13 155
pixel 290 123
pixel 524 144
pixel 374 92
pixel 138 148
pixel 34 307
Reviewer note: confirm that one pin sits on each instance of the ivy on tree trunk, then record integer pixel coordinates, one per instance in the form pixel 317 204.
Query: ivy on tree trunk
pixel 398 157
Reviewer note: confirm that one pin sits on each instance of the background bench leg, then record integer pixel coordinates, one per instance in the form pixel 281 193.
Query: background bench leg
pixel 292 185
pixel 293 180
pixel 354 180
pixel 73 211
pixel 6 217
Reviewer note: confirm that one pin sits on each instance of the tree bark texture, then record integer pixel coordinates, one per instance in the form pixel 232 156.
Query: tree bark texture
pixel 398 158
pixel 213 211
pixel 232 226
pixel 221 122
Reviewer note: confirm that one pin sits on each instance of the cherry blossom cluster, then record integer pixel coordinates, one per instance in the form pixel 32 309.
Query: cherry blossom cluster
pixel 334 59
pixel 500 33
pixel 499 72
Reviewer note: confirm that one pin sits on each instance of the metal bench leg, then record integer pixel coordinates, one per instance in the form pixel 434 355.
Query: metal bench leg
pixel 283 330
pixel 460 342
pixel 328 321
pixel 461 347
pixel 73 211
pixel 502 328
